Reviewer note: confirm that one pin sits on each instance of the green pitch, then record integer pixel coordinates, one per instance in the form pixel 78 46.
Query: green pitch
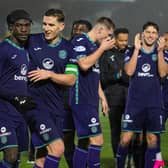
pixel 107 159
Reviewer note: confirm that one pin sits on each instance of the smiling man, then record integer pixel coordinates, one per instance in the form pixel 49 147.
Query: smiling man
pixel 51 66
pixel 13 88
pixel 145 63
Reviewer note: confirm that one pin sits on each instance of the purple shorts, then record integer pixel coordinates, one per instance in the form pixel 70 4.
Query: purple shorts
pixel 136 119
pixel 86 119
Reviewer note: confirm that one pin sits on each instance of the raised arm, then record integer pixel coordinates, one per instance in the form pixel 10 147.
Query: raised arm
pixel 130 66
pixel 86 62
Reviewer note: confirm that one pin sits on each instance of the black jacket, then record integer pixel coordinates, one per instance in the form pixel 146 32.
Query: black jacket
pixel 113 77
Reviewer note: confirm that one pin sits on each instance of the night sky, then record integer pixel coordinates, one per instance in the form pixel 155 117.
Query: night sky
pixel 132 14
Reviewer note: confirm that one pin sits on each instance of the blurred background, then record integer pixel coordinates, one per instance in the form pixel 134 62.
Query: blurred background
pixel 125 13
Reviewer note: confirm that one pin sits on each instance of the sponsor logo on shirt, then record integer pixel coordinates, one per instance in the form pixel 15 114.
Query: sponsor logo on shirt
pixel 80 48
pixel 48 63
pixel 23 71
pixel 146 71
pixel 20 78
pixel 146 67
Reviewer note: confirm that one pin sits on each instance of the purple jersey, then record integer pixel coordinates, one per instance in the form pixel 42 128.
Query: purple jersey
pixel 85 90
pixel 13 82
pixel 145 88
pixel 53 57
pixel 13 68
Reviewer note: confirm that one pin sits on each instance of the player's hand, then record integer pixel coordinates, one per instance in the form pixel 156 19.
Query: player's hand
pixel 105 107
pixel 161 43
pixel 107 43
pixel 38 75
pixel 23 103
pixel 138 41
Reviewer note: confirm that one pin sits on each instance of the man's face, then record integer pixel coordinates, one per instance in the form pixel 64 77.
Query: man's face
pixel 121 40
pixel 166 41
pixel 150 36
pixel 20 30
pixel 52 28
pixel 103 33
pixel 79 28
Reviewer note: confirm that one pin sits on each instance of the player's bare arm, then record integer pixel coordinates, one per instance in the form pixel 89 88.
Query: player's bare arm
pixel 131 65
pixel 86 62
pixel 41 74
pixel 103 100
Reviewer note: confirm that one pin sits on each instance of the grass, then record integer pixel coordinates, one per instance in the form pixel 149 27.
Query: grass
pixel 107 159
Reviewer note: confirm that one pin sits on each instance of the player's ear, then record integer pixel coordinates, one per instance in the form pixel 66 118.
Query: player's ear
pixel 62 26
pixel 158 36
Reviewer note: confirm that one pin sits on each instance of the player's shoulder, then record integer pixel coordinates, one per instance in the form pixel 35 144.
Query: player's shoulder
pixel 5 48
pixel 36 36
pixel 35 40
pixel 66 43
pixel 79 38
pixel 5 44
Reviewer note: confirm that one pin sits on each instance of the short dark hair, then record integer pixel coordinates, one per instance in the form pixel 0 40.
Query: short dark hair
pixel 106 21
pixel 149 23
pixel 121 30
pixel 83 22
pixel 17 14
pixel 56 13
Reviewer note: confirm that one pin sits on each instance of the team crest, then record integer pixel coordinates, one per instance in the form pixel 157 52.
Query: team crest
pixel 24 69
pixel 46 136
pixel 154 57
pixel 62 54
pixel 93 129
pixel 3 139
pixel 125 125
